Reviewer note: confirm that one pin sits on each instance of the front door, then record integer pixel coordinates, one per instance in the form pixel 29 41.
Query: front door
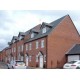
pixel 41 61
pixel 26 60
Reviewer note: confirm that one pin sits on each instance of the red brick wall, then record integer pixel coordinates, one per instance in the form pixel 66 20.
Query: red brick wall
pixel 19 43
pixel 59 41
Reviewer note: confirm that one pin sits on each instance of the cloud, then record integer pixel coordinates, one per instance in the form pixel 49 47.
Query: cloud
pixel 12 22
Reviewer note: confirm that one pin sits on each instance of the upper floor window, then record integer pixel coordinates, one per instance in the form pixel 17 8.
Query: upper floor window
pixel 37 44
pixel 14 49
pixel 22 48
pixel 26 47
pixel 18 48
pixel 20 37
pixel 13 41
pixel 36 58
pixel 30 45
pixel 42 43
pixel 32 35
pixel 44 30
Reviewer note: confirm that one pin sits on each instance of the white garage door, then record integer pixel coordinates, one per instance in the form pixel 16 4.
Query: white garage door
pixel 73 57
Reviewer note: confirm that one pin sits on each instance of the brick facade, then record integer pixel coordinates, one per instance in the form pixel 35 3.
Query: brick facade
pixel 60 40
pixel 61 35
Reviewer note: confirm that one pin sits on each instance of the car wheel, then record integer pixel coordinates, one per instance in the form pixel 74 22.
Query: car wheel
pixel 8 67
pixel 78 67
pixel 12 67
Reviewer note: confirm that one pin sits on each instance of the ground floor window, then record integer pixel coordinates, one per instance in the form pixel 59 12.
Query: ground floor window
pixel 36 58
pixel 30 58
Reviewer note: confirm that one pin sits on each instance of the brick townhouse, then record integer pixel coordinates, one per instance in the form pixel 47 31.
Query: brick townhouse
pixel 17 45
pixel 47 45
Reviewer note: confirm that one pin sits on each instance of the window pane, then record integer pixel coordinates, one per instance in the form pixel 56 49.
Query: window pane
pixel 26 47
pixel 30 45
pixel 32 35
pixel 44 30
pixel 36 58
pixel 22 48
pixel 30 58
pixel 37 45
pixel 42 43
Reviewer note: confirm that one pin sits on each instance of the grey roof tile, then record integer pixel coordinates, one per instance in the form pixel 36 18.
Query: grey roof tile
pixel 53 24
pixel 75 50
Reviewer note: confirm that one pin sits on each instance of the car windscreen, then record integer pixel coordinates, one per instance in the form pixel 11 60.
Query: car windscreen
pixel 72 62
pixel 19 62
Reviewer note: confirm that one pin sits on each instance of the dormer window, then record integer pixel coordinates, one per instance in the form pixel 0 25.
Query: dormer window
pixel 20 37
pixel 32 35
pixel 13 41
pixel 44 30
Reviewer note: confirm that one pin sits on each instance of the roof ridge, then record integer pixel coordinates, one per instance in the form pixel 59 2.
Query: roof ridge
pixel 61 18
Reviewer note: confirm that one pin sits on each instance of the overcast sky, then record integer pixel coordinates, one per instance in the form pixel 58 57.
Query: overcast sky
pixel 12 22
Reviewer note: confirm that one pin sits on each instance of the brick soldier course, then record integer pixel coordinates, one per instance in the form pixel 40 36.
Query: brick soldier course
pixel 43 46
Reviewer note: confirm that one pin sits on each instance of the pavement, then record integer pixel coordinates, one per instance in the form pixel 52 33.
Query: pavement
pixel 3 65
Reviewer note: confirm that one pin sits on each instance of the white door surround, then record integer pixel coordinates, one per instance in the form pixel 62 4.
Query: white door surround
pixel 40 59
pixel 27 59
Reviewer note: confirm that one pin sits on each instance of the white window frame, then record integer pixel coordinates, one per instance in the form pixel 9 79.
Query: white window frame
pixel 42 43
pixel 19 56
pixel 30 58
pixel 44 58
pixel 30 46
pixel 21 47
pixel 18 48
pixel 20 37
pixel 26 47
pixel 44 30
pixel 14 49
pixel 37 44
pixel 13 41
pixel 36 58
pixel 32 35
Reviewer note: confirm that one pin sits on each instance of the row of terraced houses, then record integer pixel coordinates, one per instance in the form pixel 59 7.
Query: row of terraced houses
pixel 47 45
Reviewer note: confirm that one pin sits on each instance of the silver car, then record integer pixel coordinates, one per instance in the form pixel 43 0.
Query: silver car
pixel 17 64
pixel 10 64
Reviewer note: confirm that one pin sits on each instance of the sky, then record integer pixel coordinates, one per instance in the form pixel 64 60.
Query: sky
pixel 14 21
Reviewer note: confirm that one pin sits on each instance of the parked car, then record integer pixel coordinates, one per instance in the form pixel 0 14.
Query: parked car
pixel 10 64
pixel 17 64
pixel 72 65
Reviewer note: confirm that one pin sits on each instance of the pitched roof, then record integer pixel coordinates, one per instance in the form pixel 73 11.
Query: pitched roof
pixel 21 34
pixel 75 50
pixel 53 24
pixel 15 37
pixel 34 29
